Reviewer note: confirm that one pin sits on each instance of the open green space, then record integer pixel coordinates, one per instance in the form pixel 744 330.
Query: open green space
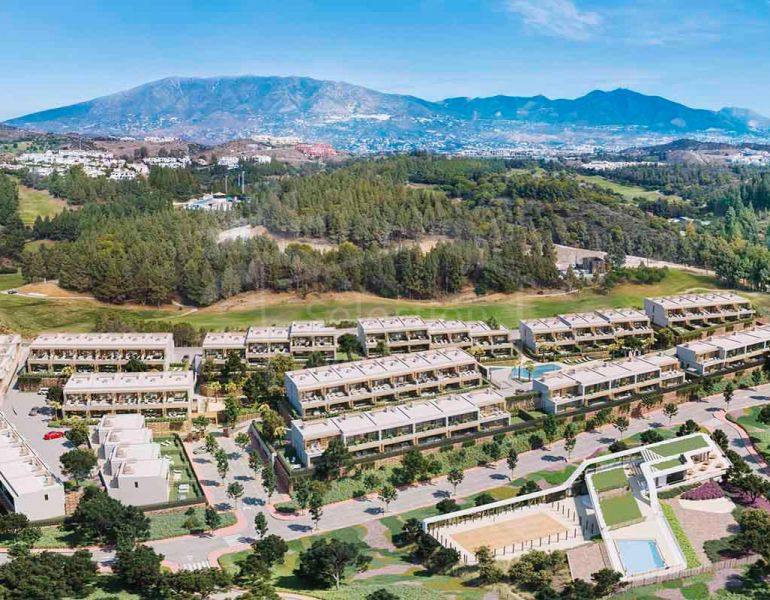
pixel 612 479
pixel 37 203
pixel 675 447
pixel 184 486
pixel 619 510
pixel 629 192
pixel 758 431
pixel 33 315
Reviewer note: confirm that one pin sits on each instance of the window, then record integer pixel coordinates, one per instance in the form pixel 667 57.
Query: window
pixel 46 497
pixel 136 484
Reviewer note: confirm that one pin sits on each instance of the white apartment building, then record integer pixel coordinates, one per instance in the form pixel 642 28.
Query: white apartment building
pixel 135 471
pixel 10 346
pixel 693 311
pixel 392 428
pixel 154 393
pixel 394 378
pixel 573 388
pixel 260 344
pixel 721 352
pixel 27 485
pixel 581 331
pixel 99 352
pixel 414 334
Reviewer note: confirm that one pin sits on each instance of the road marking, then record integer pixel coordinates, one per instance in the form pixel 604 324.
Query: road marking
pixel 193 566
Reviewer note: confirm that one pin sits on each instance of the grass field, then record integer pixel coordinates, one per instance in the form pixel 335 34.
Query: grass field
pixel 629 192
pixel 36 203
pixel 676 447
pixel 33 315
pixel 612 479
pixel 757 430
pixel 620 509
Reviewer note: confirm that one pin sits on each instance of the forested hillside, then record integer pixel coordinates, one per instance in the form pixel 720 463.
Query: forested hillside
pixel 124 241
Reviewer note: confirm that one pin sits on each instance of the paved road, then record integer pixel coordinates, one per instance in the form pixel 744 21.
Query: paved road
pixel 190 552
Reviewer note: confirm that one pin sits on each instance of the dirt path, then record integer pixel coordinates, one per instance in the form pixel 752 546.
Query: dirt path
pixel 377 536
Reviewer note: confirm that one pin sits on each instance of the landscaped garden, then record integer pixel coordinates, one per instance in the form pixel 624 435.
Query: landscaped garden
pixel 611 479
pixel 620 510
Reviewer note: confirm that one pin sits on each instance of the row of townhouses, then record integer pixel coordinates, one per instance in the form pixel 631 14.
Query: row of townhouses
pixel 259 344
pixel 152 393
pixel 396 378
pixel 133 469
pixel 601 328
pixel 704 357
pixel 400 426
pixel 573 388
pixel 413 334
pixel 99 352
pixel 27 485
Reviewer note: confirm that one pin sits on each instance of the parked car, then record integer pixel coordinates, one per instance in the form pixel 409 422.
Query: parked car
pixel 12 291
pixel 53 435
pixel 43 391
pixel 33 411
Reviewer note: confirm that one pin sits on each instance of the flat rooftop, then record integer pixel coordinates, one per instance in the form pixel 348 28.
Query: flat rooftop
pixel 308 327
pixel 152 467
pixel 597 318
pixel 127 421
pixel 615 315
pixel 394 323
pixel 374 368
pixel 21 468
pixel 141 451
pixel 267 334
pixel 730 341
pixel 96 341
pixel 150 381
pixel 606 371
pixel 226 339
pixel 698 300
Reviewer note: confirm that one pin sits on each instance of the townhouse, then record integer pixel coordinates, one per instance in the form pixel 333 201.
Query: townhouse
pixel 99 352
pixel 162 394
pixel 259 344
pixel 563 390
pixel 134 470
pixel 27 485
pixel 693 311
pixel 368 382
pixel 581 331
pixel 403 426
pixel 415 334
pixel 708 356
pixel 10 347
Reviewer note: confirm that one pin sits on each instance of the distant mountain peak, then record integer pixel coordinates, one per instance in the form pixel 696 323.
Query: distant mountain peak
pixel 216 109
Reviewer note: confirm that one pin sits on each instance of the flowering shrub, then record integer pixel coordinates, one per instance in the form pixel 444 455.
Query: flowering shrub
pixel 708 491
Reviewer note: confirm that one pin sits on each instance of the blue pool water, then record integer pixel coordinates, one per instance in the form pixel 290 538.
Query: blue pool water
pixel 640 556
pixel 536 372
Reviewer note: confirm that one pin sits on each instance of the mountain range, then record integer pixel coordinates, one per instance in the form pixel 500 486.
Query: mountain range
pixel 219 109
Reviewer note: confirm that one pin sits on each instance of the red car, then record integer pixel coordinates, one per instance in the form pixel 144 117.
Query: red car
pixel 53 435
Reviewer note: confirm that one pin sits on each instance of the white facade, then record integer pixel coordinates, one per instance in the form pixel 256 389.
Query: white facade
pixel 405 425
pixel 584 330
pixel 573 388
pixel 387 379
pixel 10 346
pixel 102 352
pixel 166 393
pixel 27 485
pixel 723 351
pixel 698 310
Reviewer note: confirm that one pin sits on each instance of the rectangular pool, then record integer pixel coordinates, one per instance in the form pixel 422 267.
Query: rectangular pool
pixel 640 556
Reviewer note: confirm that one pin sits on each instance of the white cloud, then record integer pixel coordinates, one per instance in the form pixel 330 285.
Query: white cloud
pixel 558 18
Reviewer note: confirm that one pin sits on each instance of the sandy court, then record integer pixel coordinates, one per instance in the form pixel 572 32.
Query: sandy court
pixel 510 532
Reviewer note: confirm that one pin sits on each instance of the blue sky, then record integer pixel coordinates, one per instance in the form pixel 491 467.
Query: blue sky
pixel 705 53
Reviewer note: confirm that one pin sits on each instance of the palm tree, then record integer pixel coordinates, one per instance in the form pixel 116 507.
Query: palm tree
pixel 529 366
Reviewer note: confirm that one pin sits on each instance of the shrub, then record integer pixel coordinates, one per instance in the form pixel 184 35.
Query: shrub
pixel 708 491
pixel 764 415
pixel 359 493
pixel 469 443
pixel 618 446
pixel 286 508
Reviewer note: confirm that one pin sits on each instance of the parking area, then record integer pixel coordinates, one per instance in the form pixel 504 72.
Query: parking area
pixel 16 406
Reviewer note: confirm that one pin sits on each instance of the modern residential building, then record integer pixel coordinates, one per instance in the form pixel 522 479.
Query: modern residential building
pixel 165 394
pixel 721 352
pixel 259 344
pixel 99 352
pixel 134 470
pixel 621 490
pixel 10 346
pixel 585 331
pixel 217 346
pixel 693 311
pixel 27 485
pixel 368 382
pixel 414 334
pixel 572 388
pixel 395 427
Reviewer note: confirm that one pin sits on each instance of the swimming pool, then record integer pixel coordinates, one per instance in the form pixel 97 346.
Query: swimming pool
pixel 640 556
pixel 536 372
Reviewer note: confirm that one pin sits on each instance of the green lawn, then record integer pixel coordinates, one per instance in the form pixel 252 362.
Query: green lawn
pixel 36 203
pixel 757 430
pixel 620 509
pixel 611 479
pixel 667 464
pixel 675 447
pixel 31 316
pixel 629 192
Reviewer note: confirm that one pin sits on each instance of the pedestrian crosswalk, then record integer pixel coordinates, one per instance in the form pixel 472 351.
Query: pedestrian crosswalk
pixel 194 566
